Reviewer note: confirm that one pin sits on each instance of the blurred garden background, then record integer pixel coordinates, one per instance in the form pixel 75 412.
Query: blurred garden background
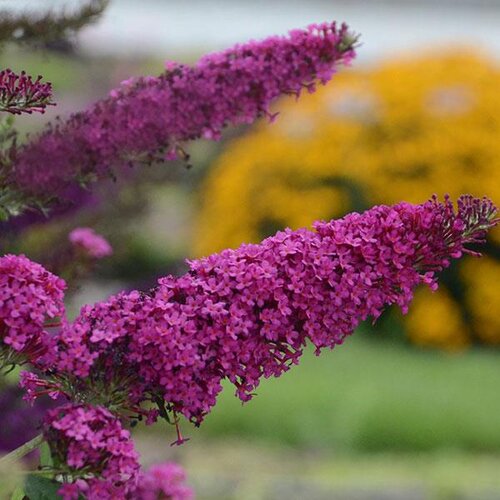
pixel 407 408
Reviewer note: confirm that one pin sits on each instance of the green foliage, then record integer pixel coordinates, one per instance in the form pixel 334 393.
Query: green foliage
pixel 275 472
pixel 13 202
pixel 41 488
pixel 372 396
pixel 139 260
pixel 45 456
pixel 18 494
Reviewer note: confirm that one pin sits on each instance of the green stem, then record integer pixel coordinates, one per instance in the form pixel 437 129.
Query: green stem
pixel 23 450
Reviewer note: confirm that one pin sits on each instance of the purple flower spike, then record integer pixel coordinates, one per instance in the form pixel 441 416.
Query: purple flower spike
pixel 20 94
pixel 247 313
pixel 147 119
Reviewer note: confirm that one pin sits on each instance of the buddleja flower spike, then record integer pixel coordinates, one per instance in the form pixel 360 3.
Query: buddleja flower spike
pixel 20 94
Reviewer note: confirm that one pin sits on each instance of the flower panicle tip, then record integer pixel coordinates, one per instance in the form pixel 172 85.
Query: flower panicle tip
pixel 19 93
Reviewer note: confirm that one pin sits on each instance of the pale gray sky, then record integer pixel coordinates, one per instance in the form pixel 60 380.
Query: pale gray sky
pixel 166 26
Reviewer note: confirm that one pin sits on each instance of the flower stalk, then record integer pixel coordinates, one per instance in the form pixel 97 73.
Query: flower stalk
pixel 22 451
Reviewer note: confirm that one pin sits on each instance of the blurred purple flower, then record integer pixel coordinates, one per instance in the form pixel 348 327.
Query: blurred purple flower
pixel 93 245
pixel 164 480
pixel 20 421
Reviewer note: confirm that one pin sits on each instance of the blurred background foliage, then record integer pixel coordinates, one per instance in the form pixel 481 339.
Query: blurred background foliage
pixel 384 416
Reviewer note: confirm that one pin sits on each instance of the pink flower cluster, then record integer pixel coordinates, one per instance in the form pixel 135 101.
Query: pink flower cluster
pixel 90 444
pixel 148 118
pixel 163 481
pixel 29 296
pixel 93 245
pixel 238 315
pixel 20 94
pixel 247 313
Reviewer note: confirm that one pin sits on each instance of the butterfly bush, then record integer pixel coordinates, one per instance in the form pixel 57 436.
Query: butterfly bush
pixel 239 315
pixel 247 313
pixel 146 119
pixel 20 94
pixel 164 480
pixel 91 244
pixel 29 297
pixel 90 444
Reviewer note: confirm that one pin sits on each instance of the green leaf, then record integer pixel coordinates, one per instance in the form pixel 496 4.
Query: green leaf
pixel 41 488
pixel 45 456
pixel 18 494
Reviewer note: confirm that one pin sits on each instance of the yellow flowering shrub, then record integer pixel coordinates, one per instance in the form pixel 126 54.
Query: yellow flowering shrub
pixel 483 278
pixel 404 130
pixel 436 320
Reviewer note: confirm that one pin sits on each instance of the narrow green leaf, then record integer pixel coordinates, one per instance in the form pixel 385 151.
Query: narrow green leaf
pixel 45 456
pixel 18 494
pixel 41 488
